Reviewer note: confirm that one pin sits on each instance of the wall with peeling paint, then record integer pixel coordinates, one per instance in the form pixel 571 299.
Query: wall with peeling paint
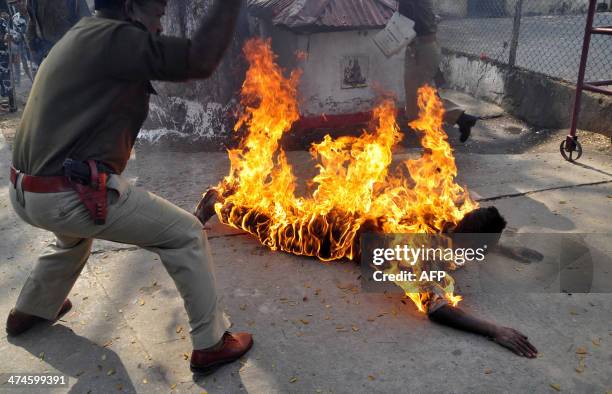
pixel 196 114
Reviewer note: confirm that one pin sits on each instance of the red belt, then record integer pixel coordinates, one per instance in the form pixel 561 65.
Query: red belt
pixel 41 184
pixel 93 196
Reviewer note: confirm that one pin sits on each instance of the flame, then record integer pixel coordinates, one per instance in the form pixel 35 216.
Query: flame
pixel 354 188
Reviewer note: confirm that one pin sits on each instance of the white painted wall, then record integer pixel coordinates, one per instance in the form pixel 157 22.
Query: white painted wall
pixel 321 89
pixel 479 79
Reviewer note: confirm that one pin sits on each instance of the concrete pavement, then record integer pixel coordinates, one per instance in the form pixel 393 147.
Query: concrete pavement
pixel 315 331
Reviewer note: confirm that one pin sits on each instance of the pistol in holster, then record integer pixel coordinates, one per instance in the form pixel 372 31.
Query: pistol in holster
pixel 88 178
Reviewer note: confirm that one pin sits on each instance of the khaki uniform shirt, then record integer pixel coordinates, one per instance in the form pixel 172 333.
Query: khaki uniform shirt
pixel 91 95
pixel 422 13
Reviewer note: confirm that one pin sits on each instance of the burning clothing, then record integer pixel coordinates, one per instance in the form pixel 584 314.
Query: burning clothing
pixel 356 189
pixel 435 299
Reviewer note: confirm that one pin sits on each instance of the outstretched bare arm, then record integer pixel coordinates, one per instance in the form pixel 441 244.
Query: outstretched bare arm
pixel 212 38
pixel 507 337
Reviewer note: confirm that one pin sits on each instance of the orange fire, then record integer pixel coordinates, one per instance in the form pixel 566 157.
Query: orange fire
pixel 354 189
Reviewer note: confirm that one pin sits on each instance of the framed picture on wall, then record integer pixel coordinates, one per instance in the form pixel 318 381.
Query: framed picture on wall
pixel 355 71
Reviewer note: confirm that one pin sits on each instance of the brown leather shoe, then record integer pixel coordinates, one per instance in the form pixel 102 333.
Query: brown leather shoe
pixel 19 322
pixel 233 347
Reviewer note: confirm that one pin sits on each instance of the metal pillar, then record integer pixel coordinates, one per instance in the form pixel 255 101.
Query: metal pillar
pixel 570 145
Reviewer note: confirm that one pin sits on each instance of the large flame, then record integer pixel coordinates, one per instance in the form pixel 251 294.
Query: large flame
pixel 355 190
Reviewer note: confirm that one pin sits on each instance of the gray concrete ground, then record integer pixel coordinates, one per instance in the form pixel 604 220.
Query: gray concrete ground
pixel 315 330
pixel 537 50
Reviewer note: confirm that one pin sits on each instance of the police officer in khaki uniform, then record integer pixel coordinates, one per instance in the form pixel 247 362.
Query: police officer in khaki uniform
pixel 423 58
pixel 86 107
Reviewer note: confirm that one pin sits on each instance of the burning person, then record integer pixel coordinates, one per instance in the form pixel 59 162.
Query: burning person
pixel 354 190
pixel 88 102
pixel 481 226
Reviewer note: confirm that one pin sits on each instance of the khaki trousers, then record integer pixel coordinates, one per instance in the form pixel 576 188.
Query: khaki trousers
pixel 422 63
pixel 135 217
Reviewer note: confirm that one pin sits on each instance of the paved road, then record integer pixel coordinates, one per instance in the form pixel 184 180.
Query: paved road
pixel 548 44
pixel 315 330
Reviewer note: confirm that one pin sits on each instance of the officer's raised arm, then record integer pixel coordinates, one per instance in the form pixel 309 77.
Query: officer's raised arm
pixel 212 38
pixel 141 53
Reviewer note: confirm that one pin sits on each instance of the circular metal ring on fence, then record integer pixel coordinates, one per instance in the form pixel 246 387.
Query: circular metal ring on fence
pixel 568 151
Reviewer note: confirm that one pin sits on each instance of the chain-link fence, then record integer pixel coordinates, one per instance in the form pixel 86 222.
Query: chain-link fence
pixel 545 36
